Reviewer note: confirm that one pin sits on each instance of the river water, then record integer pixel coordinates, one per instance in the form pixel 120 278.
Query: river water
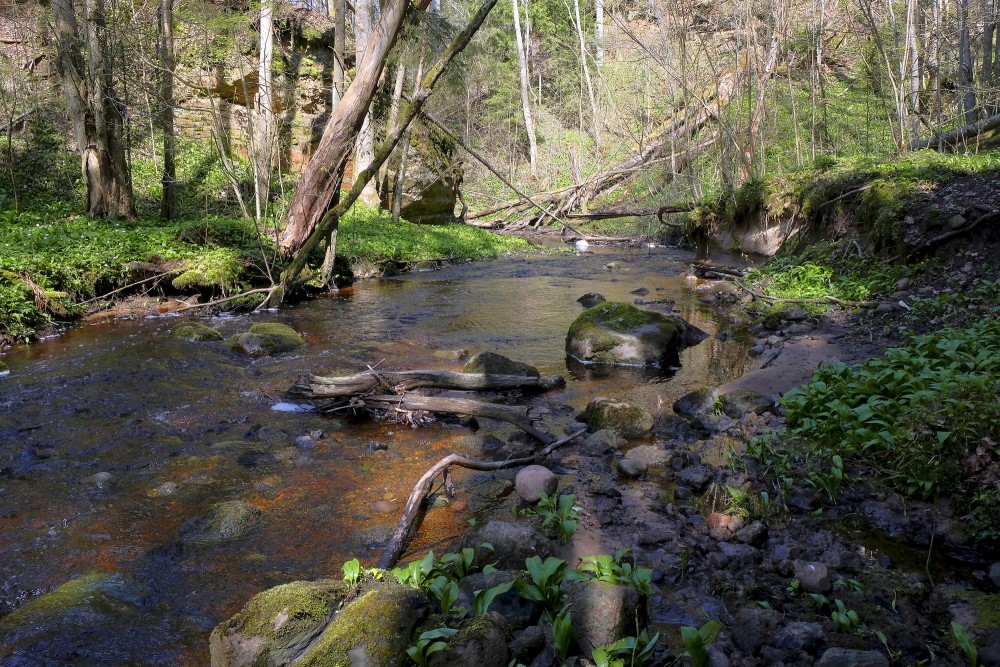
pixel 179 426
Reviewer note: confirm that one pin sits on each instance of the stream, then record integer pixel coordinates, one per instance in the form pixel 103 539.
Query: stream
pixel 112 436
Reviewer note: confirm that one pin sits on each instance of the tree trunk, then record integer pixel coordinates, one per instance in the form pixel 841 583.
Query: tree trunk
pixel 965 69
pixel 363 19
pixel 599 31
pixel 529 121
pixel 168 199
pixel 265 129
pixel 94 111
pixel 594 115
pixel 324 173
pixel 339 45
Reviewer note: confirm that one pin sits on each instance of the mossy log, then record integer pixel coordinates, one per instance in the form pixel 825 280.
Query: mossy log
pixel 316 386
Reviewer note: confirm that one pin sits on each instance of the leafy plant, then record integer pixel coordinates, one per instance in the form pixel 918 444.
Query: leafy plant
pixel 558 512
pixel 630 651
pixel 353 571
pixel 428 643
pixel 482 599
pixel 562 632
pixel 965 643
pixel 417 574
pixel 845 619
pixel 698 640
pixel 618 569
pixel 545 584
pixel 445 591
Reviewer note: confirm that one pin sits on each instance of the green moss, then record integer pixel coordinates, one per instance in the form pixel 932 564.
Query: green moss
pixel 379 624
pixel 620 317
pixel 83 600
pixel 195 332
pixel 987 612
pixel 627 420
pixel 496 364
pixel 3 367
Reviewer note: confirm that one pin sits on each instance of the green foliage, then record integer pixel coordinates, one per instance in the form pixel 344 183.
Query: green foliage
pixel 698 640
pixel 445 591
pixel 913 416
pixel 965 643
pixel 562 632
pixel 482 599
pixel 627 651
pixel 545 584
pixel 366 233
pixel 558 512
pixel 618 569
pixel 417 574
pixel 846 620
pixel 428 643
pixel 353 571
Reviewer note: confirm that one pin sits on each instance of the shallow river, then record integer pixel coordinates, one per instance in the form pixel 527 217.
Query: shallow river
pixel 180 426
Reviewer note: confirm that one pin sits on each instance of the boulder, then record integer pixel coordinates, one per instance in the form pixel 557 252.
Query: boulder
pixel 196 332
pixel 276 626
pixel 752 626
pixel 263 340
pixel 534 480
pixel 697 403
pixel 627 420
pixel 591 299
pixel 481 642
pixel 621 334
pixel 630 467
pixel 228 520
pixel 695 477
pixel 650 455
pixel 492 363
pixel 601 442
pixel 798 636
pixel 375 630
pixel 813 577
pixel 604 613
pixel 512 544
pixel 738 404
pixel 995 574
pixel 431 179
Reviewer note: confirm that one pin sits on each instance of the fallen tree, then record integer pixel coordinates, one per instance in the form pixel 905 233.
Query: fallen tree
pixel 316 386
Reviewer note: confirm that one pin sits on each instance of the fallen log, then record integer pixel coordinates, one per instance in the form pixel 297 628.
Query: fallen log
pixel 317 386
pixel 410 520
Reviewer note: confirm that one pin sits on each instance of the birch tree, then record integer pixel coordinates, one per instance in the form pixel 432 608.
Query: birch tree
pixel 529 121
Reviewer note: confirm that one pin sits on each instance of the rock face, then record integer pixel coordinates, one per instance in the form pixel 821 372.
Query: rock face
pixel 492 363
pixel 604 613
pixel 627 420
pixel 266 339
pixel 195 332
pixel 512 544
pixel 277 624
pixel 532 481
pixel 430 183
pixel 222 522
pixel 622 335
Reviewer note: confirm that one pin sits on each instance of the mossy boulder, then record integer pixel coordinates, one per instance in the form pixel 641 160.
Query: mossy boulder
pixel 3 368
pixel 81 604
pixel 622 335
pixel 277 625
pixel 491 363
pixel 482 642
pixel 264 340
pixel 222 522
pixel 195 332
pixel 374 630
pixel 627 420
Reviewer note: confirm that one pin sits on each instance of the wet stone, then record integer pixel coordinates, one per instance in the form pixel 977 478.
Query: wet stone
pixel 631 467
pixel 798 636
pixel 254 457
pixel 534 480
pixel 591 299
pixel 813 577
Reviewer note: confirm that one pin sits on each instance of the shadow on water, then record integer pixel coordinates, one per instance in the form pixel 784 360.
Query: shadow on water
pixel 115 437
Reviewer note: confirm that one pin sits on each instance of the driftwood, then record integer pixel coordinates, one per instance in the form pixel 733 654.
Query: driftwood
pixel 703 270
pixel 410 520
pixel 316 386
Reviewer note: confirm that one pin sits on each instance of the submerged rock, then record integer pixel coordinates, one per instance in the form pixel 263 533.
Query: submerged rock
pixel 627 420
pixel 195 332
pixel 228 520
pixel 591 299
pixel 621 334
pixel 697 403
pixel 492 363
pixel 277 624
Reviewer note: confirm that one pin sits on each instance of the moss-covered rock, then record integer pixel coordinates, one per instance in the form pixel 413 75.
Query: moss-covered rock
pixel 482 642
pixel 374 630
pixel 621 334
pixel 266 339
pixel 3 368
pixel 228 520
pixel 277 625
pixel 86 602
pixel 627 420
pixel 492 363
pixel 195 332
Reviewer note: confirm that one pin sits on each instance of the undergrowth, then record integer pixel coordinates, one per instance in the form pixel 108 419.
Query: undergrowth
pixel 924 418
